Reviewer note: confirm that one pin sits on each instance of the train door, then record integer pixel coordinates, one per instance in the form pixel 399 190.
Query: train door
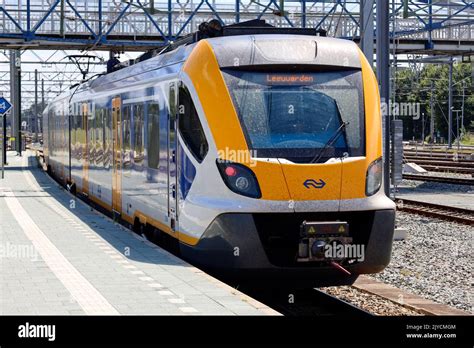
pixel 172 157
pixel 117 156
pixel 85 152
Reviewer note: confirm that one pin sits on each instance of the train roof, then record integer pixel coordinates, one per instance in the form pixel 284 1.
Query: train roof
pixel 283 49
pixel 253 50
pixel 244 46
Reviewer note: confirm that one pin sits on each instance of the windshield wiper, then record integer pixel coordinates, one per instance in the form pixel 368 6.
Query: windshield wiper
pixel 330 142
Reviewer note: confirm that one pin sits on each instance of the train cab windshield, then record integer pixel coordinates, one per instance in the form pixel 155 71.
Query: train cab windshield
pixel 300 116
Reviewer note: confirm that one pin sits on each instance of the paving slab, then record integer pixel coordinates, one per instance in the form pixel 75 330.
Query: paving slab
pixel 58 260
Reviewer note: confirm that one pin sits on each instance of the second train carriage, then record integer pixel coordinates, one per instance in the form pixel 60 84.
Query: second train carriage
pixel 252 151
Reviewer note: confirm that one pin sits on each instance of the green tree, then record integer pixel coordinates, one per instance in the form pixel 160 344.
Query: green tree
pixel 417 86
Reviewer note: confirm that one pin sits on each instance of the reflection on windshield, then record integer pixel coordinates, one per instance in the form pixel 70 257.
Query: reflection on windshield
pixel 291 115
pixel 297 117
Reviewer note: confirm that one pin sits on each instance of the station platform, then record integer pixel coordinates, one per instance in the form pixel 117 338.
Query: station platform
pixel 60 257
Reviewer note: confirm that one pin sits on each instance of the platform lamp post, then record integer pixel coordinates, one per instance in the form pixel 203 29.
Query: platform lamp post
pixel 450 103
pixel 383 75
pixel 423 129
pixel 15 88
pixel 4 139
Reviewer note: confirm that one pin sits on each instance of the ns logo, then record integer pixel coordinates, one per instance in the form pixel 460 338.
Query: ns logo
pixel 314 184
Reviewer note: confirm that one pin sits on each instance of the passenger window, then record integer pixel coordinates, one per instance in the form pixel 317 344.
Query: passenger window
pixel 107 136
pixel 138 116
pixel 153 136
pixel 98 138
pixel 190 127
pixel 127 144
pixel 90 135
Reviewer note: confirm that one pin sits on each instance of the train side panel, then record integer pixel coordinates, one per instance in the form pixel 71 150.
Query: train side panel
pixel 56 123
pixel 145 115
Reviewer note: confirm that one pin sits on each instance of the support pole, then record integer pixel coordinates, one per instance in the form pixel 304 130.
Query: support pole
pixel 152 8
pixel 462 106
pixel 15 83
pixel 457 128
pixel 450 104
pixel 170 20
pixel 35 116
pixel 367 29
pixel 237 11
pixel 3 145
pixel 423 129
pixel 430 44
pixel 61 19
pixel 42 107
pixel 4 120
pixel 383 75
pixel 432 123
pixel 303 13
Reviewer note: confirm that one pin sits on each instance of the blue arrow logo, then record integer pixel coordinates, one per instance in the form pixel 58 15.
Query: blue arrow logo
pixel 4 106
pixel 311 183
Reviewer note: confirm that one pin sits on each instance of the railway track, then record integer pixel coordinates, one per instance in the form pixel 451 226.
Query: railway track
pixel 440 161
pixel 458 165
pixel 443 169
pixel 440 179
pixel 460 215
pixel 307 302
pixel 440 154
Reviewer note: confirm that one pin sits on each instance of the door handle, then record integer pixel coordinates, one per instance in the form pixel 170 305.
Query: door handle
pixel 173 191
pixel 173 156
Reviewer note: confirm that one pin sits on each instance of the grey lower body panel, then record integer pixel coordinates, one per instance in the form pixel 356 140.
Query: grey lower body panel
pixel 262 247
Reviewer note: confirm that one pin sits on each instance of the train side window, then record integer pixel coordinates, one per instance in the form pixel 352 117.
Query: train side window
pixel 189 125
pixel 73 133
pixel 99 114
pixel 106 135
pixel 91 136
pixel 153 135
pixel 126 118
pixel 81 134
pixel 51 132
pixel 138 116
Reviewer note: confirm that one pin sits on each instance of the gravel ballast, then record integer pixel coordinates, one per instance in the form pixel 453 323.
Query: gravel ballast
pixel 434 261
pixel 371 303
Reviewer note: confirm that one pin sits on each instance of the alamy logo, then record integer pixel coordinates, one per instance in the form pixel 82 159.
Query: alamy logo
pixel 9 250
pixel 238 156
pixel 345 251
pixel 37 331
pixel 401 109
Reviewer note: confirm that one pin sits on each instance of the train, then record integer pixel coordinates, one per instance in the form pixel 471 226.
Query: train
pixel 256 151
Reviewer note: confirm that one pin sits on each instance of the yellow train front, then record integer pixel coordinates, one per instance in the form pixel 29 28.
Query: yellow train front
pixel 307 110
pixel 264 163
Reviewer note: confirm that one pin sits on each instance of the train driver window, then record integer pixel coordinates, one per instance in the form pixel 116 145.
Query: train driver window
pixel 189 125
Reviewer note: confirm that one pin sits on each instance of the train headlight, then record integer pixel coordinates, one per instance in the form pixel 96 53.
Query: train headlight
pixel 373 179
pixel 239 179
pixel 242 183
